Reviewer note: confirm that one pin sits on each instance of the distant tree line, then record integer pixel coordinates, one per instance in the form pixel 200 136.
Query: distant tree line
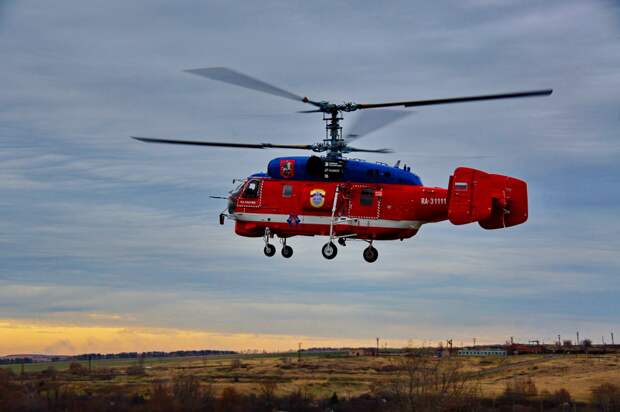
pixel 152 354
pixel 121 355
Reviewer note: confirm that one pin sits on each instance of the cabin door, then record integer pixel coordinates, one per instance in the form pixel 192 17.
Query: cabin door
pixel 365 201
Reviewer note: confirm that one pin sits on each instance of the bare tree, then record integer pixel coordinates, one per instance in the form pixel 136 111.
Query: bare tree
pixel 426 383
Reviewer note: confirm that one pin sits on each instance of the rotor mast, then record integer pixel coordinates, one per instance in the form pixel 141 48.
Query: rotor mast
pixel 333 134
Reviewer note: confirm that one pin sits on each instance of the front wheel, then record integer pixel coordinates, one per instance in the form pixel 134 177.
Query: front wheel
pixel 329 250
pixel 370 254
pixel 269 250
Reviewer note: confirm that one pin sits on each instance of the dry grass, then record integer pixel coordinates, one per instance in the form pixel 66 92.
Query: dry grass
pixel 347 376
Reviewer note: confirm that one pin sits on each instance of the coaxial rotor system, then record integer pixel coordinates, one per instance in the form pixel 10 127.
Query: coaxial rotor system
pixel 334 144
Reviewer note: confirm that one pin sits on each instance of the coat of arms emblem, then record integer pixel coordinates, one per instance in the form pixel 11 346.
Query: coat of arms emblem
pixel 317 197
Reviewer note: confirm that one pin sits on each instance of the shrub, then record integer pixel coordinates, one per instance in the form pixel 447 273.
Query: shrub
pixel 267 393
pixel 236 363
pixel 189 395
pixel 230 400
pixel 76 368
pixel 136 370
pixel 606 397
pixel 519 390
pixel 49 373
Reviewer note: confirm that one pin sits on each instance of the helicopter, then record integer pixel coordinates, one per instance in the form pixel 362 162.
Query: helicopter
pixel 350 199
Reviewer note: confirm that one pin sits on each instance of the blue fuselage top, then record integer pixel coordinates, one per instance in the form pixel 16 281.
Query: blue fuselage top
pixel 353 170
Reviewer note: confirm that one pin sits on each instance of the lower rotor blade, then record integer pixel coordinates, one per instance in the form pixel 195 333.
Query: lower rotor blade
pixel 354 149
pixel 368 122
pixel 415 103
pixel 224 144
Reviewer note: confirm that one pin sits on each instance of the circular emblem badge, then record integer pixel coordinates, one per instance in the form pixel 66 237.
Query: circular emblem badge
pixel 317 197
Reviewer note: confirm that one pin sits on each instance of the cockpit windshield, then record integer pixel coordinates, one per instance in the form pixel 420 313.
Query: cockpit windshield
pixel 251 189
pixel 235 192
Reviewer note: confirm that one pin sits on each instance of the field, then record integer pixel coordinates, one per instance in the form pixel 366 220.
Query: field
pixel 322 375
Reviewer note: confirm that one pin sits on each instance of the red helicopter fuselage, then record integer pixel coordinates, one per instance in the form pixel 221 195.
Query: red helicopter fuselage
pixel 369 201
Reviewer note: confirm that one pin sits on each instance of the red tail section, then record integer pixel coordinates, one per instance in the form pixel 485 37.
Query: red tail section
pixel 494 201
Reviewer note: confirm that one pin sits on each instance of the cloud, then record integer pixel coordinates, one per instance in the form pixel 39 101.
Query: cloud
pixel 98 230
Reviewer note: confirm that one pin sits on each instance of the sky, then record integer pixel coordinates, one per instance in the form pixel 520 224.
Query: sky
pixel 108 244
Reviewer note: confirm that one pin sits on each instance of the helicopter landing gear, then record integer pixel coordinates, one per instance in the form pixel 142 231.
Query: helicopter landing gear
pixel 370 254
pixel 286 251
pixel 329 250
pixel 269 249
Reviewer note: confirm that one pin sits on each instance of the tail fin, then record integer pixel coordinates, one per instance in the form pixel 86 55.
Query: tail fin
pixel 494 201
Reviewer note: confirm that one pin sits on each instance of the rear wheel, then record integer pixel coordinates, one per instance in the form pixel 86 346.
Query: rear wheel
pixel 370 254
pixel 329 250
pixel 269 250
pixel 287 251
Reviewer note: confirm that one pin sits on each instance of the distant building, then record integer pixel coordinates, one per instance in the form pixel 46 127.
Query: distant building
pixel 482 352
pixel 523 349
pixel 363 352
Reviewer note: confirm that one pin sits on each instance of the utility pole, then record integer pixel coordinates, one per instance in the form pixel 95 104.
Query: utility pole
pixel 474 342
pixel 577 338
pixel 377 346
pixel 559 341
pixel 612 337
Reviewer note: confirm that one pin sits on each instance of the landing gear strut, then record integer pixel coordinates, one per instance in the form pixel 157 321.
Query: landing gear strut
pixel 269 249
pixel 286 251
pixel 370 254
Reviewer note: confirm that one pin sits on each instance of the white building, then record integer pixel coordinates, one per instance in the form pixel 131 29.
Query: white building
pixel 482 352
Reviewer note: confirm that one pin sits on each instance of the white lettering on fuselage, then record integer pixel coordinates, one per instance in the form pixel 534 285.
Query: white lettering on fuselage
pixel 433 201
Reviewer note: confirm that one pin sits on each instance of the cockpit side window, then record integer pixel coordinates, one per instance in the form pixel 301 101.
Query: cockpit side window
pixel 252 189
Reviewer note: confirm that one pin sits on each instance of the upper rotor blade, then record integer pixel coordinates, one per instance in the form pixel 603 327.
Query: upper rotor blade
pixel 414 103
pixel 226 75
pixel 225 144
pixel 368 122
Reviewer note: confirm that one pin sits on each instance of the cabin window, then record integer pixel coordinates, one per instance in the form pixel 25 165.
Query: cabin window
pixel 251 190
pixel 287 191
pixel 366 197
